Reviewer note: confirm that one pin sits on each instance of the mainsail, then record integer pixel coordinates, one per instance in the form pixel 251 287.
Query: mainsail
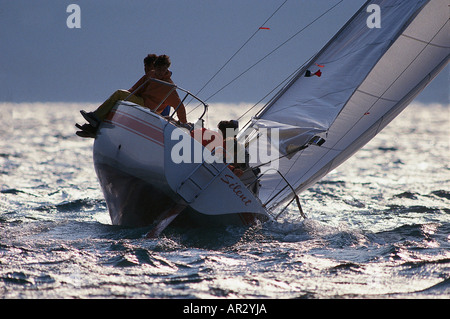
pixel 369 75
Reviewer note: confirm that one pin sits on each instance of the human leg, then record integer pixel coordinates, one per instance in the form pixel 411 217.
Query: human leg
pixel 95 118
pixel 107 106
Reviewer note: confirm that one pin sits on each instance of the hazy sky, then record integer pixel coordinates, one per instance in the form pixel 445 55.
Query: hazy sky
pixel 44 60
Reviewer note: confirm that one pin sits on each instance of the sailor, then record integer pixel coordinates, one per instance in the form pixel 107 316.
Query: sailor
pixel 240 163
pixel 154 92
pixel 232 147
pixel 148 94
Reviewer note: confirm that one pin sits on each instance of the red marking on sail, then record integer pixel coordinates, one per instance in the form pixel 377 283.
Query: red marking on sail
pixel 264 28
pixel 320 65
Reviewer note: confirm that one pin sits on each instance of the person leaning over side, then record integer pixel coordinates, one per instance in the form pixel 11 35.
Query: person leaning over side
pixel 145 93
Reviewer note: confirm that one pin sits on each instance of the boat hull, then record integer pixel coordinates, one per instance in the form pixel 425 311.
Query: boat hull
pixel 129 198
pixel 142 185
pixel 133 202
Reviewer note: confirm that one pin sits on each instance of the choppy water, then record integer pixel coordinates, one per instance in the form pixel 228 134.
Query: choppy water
pixel 378 227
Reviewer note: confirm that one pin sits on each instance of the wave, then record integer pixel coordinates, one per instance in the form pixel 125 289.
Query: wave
pixel 442 287
pixel 442 194
pixel 137 257
pixel 400 209
pixel 76 205
pixel 15 191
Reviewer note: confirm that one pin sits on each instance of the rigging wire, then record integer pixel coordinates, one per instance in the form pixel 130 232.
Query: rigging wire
pixel 248 40
pixel 271 52
pixel 270 92
pixel 293 74
pixel 287 79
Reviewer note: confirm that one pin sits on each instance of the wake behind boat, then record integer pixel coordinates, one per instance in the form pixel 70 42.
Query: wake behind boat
pixel 313 124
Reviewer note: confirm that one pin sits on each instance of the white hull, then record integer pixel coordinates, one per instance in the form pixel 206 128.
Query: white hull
pixel 142 185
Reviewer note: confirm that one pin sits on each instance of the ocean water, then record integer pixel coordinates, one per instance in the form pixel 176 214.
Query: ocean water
pixel 377 227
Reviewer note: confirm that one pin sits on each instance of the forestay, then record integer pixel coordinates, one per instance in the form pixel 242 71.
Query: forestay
pixel 369 75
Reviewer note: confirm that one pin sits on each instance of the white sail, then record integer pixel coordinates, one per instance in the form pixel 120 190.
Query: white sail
pixel 369 75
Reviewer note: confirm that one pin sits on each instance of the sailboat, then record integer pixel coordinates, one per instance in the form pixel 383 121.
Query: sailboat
pixel 314 123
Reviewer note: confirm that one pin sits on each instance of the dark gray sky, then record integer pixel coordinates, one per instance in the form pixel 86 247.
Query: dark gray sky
pixel 44 60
